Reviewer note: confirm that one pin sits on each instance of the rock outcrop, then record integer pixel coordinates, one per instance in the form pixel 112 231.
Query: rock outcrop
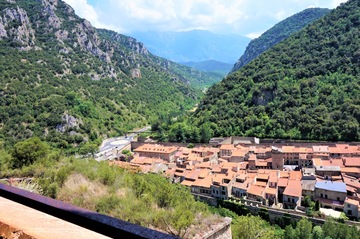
pixel 68 122
pixel 16 27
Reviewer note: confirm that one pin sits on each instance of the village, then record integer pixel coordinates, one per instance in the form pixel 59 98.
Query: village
pixel 277 175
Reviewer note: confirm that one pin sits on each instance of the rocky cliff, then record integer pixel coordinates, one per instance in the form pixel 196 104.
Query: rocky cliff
pixel 53 63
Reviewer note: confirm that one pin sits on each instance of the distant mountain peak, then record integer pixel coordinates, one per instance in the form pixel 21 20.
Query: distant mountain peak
pixel 194 45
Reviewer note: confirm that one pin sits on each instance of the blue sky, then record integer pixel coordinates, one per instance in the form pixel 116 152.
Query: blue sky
pixel 243 17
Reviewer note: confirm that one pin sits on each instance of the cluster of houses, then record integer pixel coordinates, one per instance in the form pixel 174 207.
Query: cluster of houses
pixel 278 175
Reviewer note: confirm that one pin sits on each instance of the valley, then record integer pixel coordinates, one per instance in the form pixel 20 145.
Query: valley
pixel 168 130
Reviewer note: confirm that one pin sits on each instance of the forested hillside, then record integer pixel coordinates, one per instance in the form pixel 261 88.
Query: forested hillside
pixel 69 83
pixel 306 87
pixel 277 33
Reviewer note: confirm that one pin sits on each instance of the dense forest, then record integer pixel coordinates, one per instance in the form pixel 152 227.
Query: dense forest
pixel 277 33
pixel 306 87
pixel 55 68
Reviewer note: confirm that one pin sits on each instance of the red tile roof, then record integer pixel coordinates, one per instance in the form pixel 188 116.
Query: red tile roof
pixel 351 162
pixel 283 182
pixel 293 189
pixel 256 190
pixel 271 191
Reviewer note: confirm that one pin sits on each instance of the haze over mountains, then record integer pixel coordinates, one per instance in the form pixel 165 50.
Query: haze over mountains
pixel 305 87
pixel 198 46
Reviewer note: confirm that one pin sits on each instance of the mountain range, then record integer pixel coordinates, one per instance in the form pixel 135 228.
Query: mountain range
pixel 195 46
pixel 70 83
pixel 305 87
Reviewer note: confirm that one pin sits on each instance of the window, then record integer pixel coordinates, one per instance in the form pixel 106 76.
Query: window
pixel 338 198
pixel 349 212
pixel 288 199
pixel 293 200
pixel 321 195
pixel 348 205
pixel 326 196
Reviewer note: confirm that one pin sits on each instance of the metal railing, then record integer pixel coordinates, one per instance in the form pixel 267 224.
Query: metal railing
pixel 105 225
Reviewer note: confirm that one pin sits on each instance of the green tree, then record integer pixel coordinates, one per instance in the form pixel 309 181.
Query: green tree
pixel 205 133
pixel 29 151
pixel 251 227
pixel 89 148
pixel 317 233
pixel 290 232
pixel 303 229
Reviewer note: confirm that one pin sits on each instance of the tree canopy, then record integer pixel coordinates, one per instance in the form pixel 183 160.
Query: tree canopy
pixel 306 87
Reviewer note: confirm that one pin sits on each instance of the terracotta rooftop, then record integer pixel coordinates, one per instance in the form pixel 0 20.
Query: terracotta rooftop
pixel 156 148
pixel 284 174
pixel 187 183
pixel 243 186
pixel 227 147
pixel 260 184
pixel 283 182
pixel 295 175
pixel 350 170
pixel 320 149
pixel 239 153
pixel 256 190
pixel 298 150
pixel 345 149
pixel 332 162
pixel 293 189
pixel 261 163
pixel 205 182
pixel 271 191
pixel 351 162
pixel 352 201
pixel 262 176
pixel 288 149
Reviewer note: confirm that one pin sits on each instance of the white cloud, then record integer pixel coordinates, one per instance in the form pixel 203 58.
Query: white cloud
pixel 254 35
pixel 281 15
pixel 336 3
pixel 84 10
pixel 244 17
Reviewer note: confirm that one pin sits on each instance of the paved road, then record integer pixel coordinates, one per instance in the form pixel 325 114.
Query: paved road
pixel 109 145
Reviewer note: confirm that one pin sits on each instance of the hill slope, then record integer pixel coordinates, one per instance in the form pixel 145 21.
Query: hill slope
pixel 306 87
pixel 68 82
pixel 277 33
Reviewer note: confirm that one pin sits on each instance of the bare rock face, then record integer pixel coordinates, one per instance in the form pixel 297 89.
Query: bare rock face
pixel 62 35
pixel 15 26
pixel 53 20
pixel 136 73
pixel 68 122
pixel 88 39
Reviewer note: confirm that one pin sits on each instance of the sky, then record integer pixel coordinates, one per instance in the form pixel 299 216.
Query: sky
pixel 242 17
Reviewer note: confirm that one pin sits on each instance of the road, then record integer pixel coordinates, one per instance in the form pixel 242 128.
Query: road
pixel 106 150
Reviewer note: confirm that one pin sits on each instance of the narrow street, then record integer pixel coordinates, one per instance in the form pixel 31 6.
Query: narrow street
pixel 106 150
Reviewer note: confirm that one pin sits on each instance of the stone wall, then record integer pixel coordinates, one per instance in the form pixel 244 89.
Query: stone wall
pixel 224 231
